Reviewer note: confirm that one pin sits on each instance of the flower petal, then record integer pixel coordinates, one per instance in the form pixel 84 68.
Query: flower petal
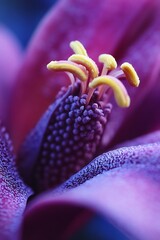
pixel 13 192
pixel 152 137
pixel 10 58
pixel 143 115
pixel 127 196
pixel 70 20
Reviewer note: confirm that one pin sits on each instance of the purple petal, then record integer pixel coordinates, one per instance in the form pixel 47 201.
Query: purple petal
pixel 70 20
pixel 152 137
pixel 10 58
pixel 143 115
pixel 128 196
pixel 13 192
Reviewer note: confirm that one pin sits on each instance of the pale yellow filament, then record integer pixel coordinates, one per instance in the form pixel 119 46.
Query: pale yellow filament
pixel 120 93
pixel 108 61
pixel 130 74
pixel 87 62
pixel 71 67
pixel 78 48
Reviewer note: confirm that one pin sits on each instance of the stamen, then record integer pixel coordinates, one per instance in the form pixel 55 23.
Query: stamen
pixel 71 78
pixel 108 61
pixel 117 73
pixel 78 48
pixel 130 74
pixel 87 62
pixel 120 92
pixel 77 70
pixel 80 66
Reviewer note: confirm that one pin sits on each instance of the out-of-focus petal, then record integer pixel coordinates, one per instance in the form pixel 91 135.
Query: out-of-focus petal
pixel 144 114
pixel 13 192
pixel 145 119
pixel 10 57
pixel 102 29
pixel 128 196
pixel 152 137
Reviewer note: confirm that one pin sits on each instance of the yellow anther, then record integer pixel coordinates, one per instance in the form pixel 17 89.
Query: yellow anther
pixel 78 48
pixel 108 60
pixel 130 74
pixel 80 66
pixel 120 93
pixel 78 71
pixel 87 62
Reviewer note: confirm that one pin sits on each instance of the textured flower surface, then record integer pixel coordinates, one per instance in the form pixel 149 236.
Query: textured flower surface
pixel 87 155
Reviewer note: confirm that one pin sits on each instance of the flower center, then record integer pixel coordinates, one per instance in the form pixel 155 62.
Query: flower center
pixel 75 128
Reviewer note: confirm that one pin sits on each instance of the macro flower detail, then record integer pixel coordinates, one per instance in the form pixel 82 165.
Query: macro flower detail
pixel 99 159
pixel 69 134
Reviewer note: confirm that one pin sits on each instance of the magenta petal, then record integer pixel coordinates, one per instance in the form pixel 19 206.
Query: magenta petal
pixel 13 192
pixel 144 114
pixel 70 20
pixel 128 196
pixel 10 57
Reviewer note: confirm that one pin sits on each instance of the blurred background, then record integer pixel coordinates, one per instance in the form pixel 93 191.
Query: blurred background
pixel 22 16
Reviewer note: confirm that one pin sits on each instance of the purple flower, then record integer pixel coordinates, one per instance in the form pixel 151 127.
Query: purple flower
pixel 121 180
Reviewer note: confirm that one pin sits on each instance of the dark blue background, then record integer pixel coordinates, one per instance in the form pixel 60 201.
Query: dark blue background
pixel 22 16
